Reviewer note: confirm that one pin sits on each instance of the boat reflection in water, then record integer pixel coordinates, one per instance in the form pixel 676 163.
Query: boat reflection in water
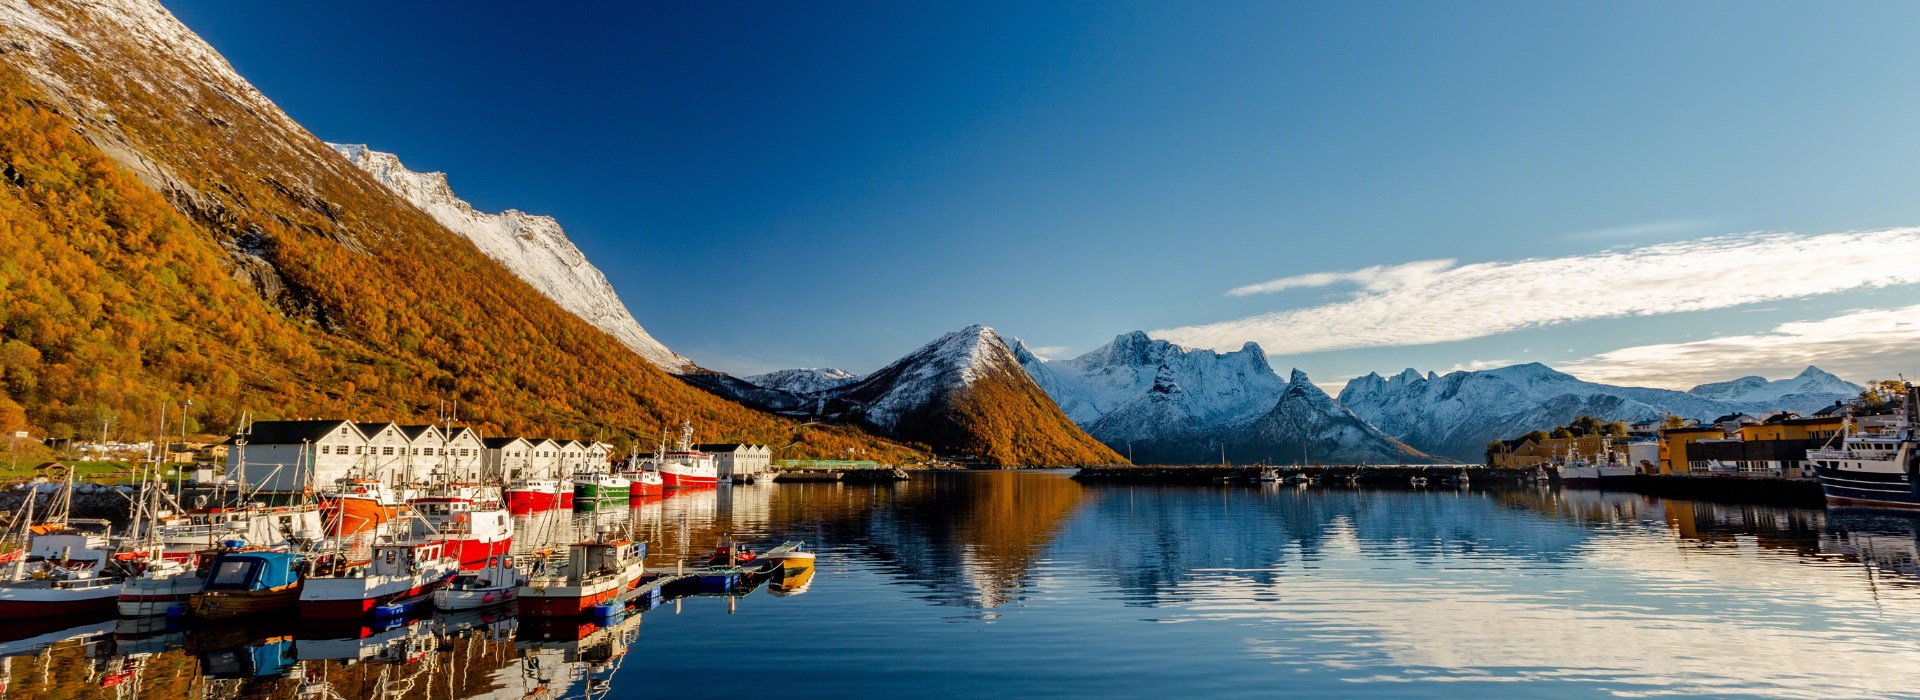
pixel 970 582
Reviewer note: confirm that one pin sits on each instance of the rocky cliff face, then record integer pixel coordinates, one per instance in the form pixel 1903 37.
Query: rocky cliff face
pixel 533 247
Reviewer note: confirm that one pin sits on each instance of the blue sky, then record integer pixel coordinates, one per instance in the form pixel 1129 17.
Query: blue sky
pixel 804 184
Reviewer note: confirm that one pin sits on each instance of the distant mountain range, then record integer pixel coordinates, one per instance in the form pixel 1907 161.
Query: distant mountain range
pixel 1168 404
pixel 1457 414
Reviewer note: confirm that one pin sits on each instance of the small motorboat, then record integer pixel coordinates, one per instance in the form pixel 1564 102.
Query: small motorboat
pixel 730 553
pixel 795 570
pixel 496 583
pixel 240 584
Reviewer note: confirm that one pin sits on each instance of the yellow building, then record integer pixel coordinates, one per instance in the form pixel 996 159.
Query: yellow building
pixel 1674 442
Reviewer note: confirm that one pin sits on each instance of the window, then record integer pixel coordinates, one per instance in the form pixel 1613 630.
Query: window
pixel 325 450
pixel 359 450
pixel 386 450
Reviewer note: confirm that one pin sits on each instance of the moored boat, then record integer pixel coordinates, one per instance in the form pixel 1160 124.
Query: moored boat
pixel 686 467
pixel 474 531
pixel 351 590
pixel 356 505
pixel 242 584
pixel 161 584
pixel 1874 470
pixel 532 495
pixel 596 485
pixel 594 572
pixel 496 583
pixel 794 571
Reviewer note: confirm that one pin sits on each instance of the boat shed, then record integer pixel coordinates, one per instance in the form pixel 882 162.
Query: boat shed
pixel 735 459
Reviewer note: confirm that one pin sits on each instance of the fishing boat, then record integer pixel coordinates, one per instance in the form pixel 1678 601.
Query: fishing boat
pixel 184 535
pixel 686 467
pixel 495 583
pixel 1874 470
pixel 593 573
pixel 250 583
pixel 351 590
pixel 593 484
pixel 474 531
pixel 160 585
pixel 1606 468
pixel 67 567
pixel 533 495
pixel 356 505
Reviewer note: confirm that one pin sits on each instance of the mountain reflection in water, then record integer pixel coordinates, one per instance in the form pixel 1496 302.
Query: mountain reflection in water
pixel 1001 583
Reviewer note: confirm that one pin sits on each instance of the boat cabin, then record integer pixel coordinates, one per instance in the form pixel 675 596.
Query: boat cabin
pixel 253 571
pixel 403 559
pixel 587 558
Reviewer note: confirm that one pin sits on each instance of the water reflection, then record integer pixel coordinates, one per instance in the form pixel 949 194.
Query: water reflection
pixel 979 584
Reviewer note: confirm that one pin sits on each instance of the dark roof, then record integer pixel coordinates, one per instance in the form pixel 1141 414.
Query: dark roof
pixel 290 432
pixel 413 432
pixel 1837 407
pixel 1733 417
pixel 1783 417
pixel 495 443
pixel 1703 429
pixel 371 429
pixel 723 446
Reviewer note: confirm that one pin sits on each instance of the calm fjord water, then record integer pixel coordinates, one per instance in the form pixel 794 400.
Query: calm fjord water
pixel 1029 584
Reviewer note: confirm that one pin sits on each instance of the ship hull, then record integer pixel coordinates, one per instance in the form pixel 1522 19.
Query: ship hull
pixel 142 597
pixel 227 605
pixel 597 492
pixel 351 516
pixel 474 553
pixel 22 602
pixel 677 480
pixel 521 502
pixel 354 599
pixel 1867 489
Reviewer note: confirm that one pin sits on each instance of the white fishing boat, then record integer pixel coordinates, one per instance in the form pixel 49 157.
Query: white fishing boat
pixel 1874 470
pixel 396 571
pixel 496 583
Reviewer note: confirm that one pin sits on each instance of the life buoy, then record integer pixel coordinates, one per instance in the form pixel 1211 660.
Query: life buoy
pixel 360 489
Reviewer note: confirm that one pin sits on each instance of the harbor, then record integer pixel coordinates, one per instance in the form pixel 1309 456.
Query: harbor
pixel 977 571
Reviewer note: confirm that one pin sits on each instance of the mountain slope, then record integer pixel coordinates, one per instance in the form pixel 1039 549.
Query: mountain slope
pixel 1308 426
pixel 1810 382
pixel 533 247
pixel 169 233
pixel 966 394
pixel 1457 414
pixel 810 380
pixel 1162 403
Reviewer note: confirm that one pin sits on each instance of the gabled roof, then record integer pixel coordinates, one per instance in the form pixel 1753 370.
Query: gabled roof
pixel 414 432
pixel 494 443
pixel 294 432
pixel 463 431
pixel 371 429
pixel 1837 407
pixel 1732 417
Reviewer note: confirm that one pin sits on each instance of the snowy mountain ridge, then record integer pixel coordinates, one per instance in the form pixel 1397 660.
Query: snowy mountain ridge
pixel 533 247
pixel 1456 414
pixel 951 361
pixel 1160 402
pixel 806 380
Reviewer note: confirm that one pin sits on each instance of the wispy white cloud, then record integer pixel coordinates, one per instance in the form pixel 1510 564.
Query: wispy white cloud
pixel 1477 365
pixel 1858 345
pixel 1048 352
pixel 1433 301
pixel 1647 230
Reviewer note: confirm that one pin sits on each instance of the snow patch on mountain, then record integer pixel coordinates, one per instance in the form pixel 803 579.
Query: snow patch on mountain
pixel 1810 381
pixel 533 247
pixel 1159 402
pixel 1457 414
pixel 810 380
pixel 923 377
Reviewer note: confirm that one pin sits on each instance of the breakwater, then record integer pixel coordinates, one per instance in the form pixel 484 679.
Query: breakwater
pixel 1372 475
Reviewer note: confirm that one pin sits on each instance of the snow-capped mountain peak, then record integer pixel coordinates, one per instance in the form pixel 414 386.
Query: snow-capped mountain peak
pixel 1810 381
pixel 809 380
pixel 533 247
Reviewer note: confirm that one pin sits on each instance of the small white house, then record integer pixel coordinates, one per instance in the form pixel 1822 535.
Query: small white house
pixel 508 456
pixel 386 453
pixel 286 456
